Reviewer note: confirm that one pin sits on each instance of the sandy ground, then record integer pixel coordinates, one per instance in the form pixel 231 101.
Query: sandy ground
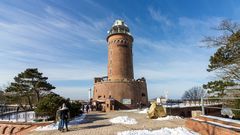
pixel 97 123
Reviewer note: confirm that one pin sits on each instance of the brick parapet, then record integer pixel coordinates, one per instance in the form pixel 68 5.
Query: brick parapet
pixel 119 90
pixel 205 128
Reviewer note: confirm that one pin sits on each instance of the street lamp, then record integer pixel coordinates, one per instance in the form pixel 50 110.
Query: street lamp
pixel 89 94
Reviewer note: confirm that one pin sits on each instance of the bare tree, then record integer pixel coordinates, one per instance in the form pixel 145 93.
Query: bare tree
pixel 194 94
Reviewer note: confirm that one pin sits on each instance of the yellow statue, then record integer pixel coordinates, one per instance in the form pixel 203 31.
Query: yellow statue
pixel 156 111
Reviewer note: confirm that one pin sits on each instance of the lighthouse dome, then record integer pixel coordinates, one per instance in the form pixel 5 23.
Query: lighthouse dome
pixel 119 27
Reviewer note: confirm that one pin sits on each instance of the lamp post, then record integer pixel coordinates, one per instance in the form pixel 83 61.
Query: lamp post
pixel 89 94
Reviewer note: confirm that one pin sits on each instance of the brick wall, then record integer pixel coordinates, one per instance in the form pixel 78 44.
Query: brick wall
pixel 205 128
pixel 118 90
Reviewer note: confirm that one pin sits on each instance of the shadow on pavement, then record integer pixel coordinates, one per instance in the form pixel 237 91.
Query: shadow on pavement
pixel 96 126
pixel 90 118
pixel 90 127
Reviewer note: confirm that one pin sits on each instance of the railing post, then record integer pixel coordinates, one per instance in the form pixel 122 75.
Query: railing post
pixel 203 112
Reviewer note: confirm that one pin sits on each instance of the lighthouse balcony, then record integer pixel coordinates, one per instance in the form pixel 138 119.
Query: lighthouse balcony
pixel 106 80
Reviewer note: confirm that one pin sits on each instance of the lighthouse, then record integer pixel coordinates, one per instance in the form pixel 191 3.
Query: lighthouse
pixel 120 61
pixel 119 89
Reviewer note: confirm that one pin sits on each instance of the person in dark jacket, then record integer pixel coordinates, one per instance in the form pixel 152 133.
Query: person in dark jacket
pixel 87 108
pixel 64 116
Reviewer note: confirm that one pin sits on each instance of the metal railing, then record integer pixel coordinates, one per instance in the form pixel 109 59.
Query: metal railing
pixel 225 101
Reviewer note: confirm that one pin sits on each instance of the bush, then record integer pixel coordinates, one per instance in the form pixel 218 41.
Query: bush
pixel 237 106
pixel 74 108
pixel 48 105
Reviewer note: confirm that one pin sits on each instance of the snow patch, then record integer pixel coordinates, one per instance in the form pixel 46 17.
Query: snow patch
pixel 168 118
pixel 123 120
pixel 144 111
pixel 54 126
pixel 222 119
pixel 162 131
pixel 131 110
pixel 227 111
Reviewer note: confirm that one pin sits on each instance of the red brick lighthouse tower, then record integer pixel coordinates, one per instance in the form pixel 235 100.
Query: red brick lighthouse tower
pixel 120 84
pixel 120 64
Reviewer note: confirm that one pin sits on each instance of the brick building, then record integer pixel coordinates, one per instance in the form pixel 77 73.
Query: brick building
pixel 119 90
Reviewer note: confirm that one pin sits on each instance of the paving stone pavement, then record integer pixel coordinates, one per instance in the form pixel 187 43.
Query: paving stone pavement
pixel 97 123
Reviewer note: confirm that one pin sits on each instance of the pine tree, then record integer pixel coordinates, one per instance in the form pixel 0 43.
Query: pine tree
pixel 28 87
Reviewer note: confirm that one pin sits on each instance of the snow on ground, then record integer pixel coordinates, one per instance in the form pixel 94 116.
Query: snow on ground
pixel 135 110
pixel 168 118
pixel 123 120
pixel 222 119
pixel 143 111
pixel 132 110
pixel 54 126
pixel 162 131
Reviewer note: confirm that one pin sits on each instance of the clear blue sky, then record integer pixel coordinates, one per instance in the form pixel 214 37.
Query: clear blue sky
pixel 66 40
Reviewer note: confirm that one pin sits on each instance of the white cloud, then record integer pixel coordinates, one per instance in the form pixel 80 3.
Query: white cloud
pixel 73 92
pixel 53 42
pixel 159 17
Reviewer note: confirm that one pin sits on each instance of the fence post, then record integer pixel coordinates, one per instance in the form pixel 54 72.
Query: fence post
pixel 203 112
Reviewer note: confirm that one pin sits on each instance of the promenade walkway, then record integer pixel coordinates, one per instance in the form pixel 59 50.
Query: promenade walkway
pixel 97 123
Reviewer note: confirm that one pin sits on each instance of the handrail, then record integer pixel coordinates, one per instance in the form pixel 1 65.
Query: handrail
pixel 223 98
pixel 221 108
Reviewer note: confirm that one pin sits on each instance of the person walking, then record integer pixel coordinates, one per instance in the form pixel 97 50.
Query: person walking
pixel 87 108
pixel 83 108
pixel 64 115
pixel 58 119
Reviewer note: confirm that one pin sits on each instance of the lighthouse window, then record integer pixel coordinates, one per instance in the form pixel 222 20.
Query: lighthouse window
pixel 143 95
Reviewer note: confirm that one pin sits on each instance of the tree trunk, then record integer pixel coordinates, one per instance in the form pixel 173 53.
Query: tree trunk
pixel 38 96
pixel 29 102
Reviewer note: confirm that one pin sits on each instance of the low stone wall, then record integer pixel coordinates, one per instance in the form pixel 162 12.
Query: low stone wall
pixel 17 128
pixel 205 128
